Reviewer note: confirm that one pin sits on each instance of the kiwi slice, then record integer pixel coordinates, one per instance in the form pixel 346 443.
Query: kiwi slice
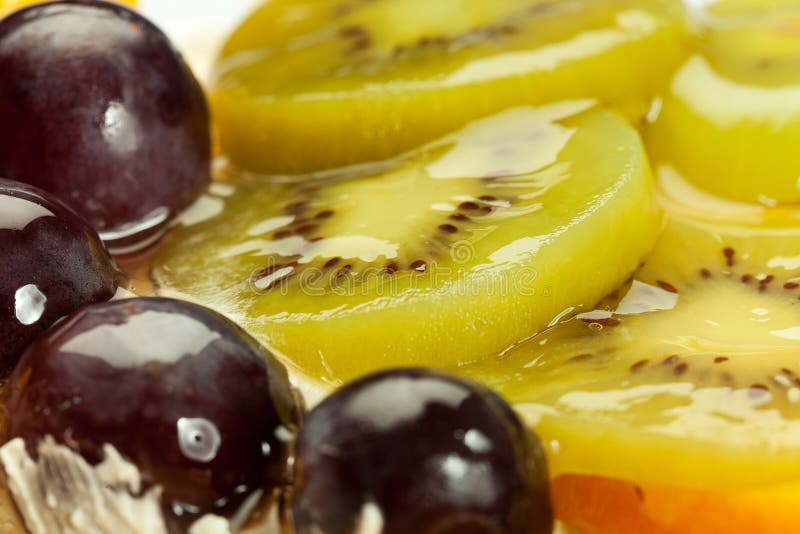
pixel 731 119
pixel 366 80
pixel 687 376
pixel 445 256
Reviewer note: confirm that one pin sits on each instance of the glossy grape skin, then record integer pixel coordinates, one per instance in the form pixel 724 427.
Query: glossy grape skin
pixel 133 373
pixel 51 264
pixel 435 454
pixel 97 107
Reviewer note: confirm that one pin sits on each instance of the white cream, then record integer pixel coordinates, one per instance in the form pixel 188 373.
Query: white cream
pixel 61 492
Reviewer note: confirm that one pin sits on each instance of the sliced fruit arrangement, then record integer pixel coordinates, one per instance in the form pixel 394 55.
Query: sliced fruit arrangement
pixel 363 81
pixel 731 119
pixel 483 244
pixel 443 257
pixel 679 392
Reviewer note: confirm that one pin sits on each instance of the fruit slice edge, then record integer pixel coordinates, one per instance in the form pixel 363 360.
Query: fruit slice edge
pixel 438 67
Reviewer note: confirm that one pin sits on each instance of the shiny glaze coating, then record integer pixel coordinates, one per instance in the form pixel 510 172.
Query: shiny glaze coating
pixel 180 391
pixel 418 451
pixel 51 264
pixel 97 107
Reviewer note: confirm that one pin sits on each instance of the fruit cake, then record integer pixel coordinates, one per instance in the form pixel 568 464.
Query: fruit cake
pixel 397 266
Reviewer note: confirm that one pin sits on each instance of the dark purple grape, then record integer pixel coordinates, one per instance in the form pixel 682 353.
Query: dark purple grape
pixel 418 451
pixel 97 107
pixel 187 396
pixel 51 264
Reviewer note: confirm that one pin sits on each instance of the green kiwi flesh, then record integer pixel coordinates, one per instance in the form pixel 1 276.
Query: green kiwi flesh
pixel 445 256
pixel 689 375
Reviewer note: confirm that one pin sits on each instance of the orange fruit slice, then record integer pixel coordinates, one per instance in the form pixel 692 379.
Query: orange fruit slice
pixel 600 505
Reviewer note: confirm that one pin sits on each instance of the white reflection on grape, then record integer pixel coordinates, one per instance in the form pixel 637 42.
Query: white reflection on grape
pixel 29 304
pixel 120 129
pixel 198 438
